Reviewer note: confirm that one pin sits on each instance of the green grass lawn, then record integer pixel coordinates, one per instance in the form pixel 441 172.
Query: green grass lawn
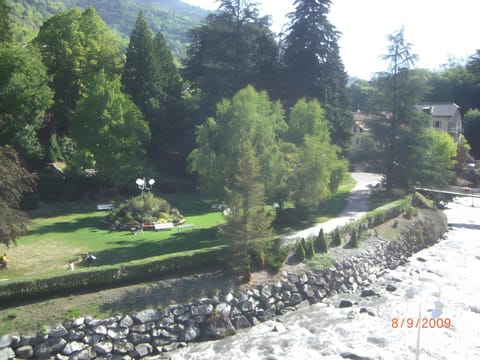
pixel 64 231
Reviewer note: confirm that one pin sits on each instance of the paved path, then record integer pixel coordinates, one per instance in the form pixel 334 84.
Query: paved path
pixel 357 206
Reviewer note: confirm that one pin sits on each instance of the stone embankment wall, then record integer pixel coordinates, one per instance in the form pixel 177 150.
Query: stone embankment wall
pixel 150 333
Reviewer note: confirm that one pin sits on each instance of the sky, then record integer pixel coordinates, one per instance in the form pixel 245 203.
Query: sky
pixel 438 30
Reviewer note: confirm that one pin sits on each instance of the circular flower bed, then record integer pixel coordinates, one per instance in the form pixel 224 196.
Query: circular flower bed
pixel 144 209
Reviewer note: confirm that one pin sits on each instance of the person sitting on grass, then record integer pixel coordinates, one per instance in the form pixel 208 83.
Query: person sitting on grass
pixel 89 259
pixel 71 266
pixel 4 261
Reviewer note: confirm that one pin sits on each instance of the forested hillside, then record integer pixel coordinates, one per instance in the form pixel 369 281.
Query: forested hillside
pixel 172 17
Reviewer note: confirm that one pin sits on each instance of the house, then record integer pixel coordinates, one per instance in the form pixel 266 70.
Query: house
pixel 360 124
pixel 446 117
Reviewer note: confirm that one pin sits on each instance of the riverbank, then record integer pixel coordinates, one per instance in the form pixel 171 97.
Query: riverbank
pixel 438 283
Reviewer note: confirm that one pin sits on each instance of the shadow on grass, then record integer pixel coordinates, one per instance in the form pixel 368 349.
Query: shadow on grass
pixel 142 248
pixel 189 204
pixel 92 223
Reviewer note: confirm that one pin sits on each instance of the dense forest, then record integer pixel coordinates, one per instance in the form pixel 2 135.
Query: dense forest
pixel 172 17
pixel 242 102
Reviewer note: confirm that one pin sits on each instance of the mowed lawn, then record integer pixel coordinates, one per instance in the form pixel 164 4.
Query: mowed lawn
pixel 64 231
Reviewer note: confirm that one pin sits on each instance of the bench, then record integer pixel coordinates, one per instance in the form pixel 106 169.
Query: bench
pixel 104 206
pixel 163 226
pixel 187 227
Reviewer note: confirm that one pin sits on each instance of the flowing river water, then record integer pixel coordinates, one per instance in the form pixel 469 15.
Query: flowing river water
pixel 440 286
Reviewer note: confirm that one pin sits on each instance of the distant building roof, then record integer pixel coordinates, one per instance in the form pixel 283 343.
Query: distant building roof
pixel 439 109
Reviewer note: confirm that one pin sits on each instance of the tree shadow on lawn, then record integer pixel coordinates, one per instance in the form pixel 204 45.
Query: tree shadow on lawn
pixel 190 204
pixel 90 223
pixel 65 208
pixel 142 248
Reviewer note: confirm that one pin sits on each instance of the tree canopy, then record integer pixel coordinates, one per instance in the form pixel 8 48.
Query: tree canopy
pixel 15 182
pixel 25 98
pixel 109 131
pixel 317 168
pixel 75 45
pixel 151 78
pixel 249 119
pixel 234 48
pixel 312 65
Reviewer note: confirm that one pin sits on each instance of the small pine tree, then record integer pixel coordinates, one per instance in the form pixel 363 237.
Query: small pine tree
pixel 310 250
pixel 354 239
pixel 337 239
pixel 300 253
pixel 321 242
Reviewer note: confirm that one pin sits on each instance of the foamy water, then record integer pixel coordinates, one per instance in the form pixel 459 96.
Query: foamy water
pixel 441 281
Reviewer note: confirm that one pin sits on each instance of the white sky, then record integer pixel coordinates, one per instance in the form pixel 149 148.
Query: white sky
pixel 437 29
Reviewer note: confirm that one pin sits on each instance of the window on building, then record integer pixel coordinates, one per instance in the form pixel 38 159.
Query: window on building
pixel 437 124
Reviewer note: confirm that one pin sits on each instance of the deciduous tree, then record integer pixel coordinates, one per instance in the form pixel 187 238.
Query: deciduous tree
pixel 25 97
pixel 248 120
pixel 318 168
pixel 15 182
pixel 110 131
pixel 76 45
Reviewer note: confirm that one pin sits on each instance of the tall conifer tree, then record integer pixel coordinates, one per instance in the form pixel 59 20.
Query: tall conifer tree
pixel 313 67
pixel 234 48
pixel 138 75
pixel 248 222
pixel 153 81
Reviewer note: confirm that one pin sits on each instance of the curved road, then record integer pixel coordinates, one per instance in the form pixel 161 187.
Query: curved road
pixel 357 206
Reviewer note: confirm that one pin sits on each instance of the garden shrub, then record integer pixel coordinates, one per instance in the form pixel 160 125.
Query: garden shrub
pixel 321 242
pixel 144 208
pixel 275 260
pixel 273 256
pixel 337 239
pixel 354 239
pixel 310 251
pixel 300 253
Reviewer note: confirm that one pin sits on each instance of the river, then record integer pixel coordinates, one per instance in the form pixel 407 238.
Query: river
pixel 440 283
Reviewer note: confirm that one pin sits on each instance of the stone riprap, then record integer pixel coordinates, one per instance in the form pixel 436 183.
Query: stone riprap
pixel 152 333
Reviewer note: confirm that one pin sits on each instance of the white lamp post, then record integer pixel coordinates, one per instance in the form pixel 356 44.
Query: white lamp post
pixel 144 185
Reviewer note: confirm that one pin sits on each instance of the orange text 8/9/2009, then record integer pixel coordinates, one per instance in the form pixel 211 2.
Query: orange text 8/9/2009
pixel 425 322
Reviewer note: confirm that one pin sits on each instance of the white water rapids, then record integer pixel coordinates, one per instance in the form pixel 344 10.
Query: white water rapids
pixel 444 276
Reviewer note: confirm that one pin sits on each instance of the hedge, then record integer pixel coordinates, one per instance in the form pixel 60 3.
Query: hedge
pixel 377 217
pixel 115 275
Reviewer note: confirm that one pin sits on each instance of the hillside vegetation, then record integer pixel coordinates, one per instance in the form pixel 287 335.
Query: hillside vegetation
pixel 172 17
